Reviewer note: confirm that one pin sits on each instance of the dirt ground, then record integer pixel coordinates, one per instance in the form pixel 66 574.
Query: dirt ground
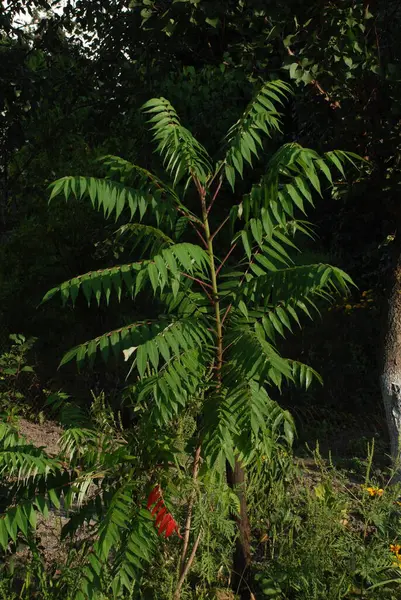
pixel 48 530
pixel 45 435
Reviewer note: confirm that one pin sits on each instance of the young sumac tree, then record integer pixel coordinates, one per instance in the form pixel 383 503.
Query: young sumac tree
pixel 215 346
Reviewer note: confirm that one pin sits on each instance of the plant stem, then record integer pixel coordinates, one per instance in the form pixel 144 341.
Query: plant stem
pixel 190 510
pixel 184 567
pixel 227 256
pixel 242 553
pixel 220 226
pixel 198 234
pixel 215 195
pixel 236 476
pixel 177 593
pixel 213 276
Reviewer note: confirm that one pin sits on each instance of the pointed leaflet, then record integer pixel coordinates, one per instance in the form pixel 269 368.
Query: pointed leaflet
pixel 164 522
pixel 157 507
pixel 153 496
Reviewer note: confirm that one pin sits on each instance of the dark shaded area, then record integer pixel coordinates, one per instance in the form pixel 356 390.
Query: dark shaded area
pixel 71 89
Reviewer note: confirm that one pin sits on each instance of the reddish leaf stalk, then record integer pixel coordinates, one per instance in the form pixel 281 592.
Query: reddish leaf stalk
pixel 229 307
pixel 199 234
pixel 227 256
pixel 216 193
pixel 202 283
pixel 220 227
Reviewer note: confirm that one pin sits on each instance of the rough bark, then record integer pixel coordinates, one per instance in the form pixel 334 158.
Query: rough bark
pixel 391 374
pixel 242 552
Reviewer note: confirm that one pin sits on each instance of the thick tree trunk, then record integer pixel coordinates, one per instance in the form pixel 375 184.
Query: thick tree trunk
pixel 391 375
pixel 242 552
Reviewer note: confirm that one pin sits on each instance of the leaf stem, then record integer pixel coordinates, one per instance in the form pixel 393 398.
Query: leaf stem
pixel 202 283
pixel 216 193
pixel 213 276
pixel 220 227
pixel 226 258
pixel 198 233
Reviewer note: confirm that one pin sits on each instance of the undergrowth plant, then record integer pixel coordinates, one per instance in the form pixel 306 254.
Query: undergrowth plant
pixel 323 536
pixel 227 289
pixel 16 375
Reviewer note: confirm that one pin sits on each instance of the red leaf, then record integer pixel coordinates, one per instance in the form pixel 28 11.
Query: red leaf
pixel 159 504
pixel 153 496
pixel 171 527
pixel 164 521
pixel 160 516
pixel 167 519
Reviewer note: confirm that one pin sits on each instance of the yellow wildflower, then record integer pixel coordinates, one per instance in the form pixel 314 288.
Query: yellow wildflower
pixel 375 491
pixel 395 549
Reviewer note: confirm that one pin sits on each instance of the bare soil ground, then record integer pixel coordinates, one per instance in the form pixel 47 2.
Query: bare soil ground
pixel 44 436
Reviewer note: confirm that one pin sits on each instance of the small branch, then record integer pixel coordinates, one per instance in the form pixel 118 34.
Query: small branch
pixel 227 347
pixel 177 593
pixel 200 188
pixel 202 283
pixel 195 471
pixel 216 299
pixel 377 45
pixel 191 218
pixel 317 86
pixel 199 234
pixel 220 227
pixel 229 307
pixel 215 195
pixel 226 258
pixel 217 172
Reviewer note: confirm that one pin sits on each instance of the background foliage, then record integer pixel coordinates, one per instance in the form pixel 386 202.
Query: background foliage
pixel 72 83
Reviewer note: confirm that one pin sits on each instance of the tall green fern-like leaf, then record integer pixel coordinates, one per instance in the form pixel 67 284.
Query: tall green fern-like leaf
pixel 245 407
pixel 180 380
pixel 144 343
pixel 298 282
pixel 183 155
pixel 244 139
pixel 166 269
pixel 114 197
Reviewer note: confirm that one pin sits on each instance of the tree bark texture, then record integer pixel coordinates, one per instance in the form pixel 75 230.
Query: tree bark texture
pixel 242 552
pixel 391 374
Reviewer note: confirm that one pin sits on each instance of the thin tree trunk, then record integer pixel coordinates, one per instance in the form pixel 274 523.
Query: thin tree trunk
pixel 242 552
pixel 391 374
pixel 236 477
